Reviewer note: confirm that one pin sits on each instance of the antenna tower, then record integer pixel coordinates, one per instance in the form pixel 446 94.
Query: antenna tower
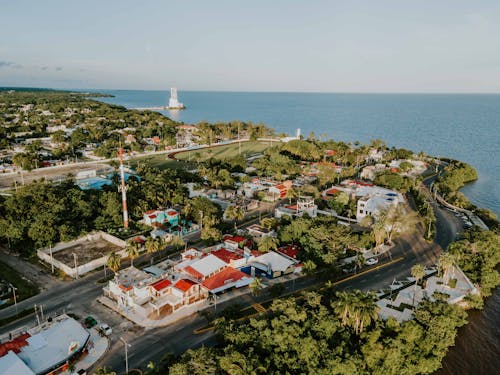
pixel 123 189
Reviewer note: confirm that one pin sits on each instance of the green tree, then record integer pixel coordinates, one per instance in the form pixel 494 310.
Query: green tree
pixel 418 272
pixel 396 221
pixel 267 244
pixel 256 286
pixel 133 249
pixel 114 262
pixel 235 213
pixel 356 309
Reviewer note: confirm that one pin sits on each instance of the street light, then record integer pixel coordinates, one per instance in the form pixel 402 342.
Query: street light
pixel 13 288
pixel 126 354
pixel 76 267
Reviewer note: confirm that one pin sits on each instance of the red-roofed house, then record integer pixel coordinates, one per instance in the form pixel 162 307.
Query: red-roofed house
pixel 290 251
pixel 233 258
pixel 160 287
pixel 280 190
pixel 234 242
pixel 227 279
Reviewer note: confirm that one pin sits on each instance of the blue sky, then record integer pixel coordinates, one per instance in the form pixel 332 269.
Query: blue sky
pixel 327 46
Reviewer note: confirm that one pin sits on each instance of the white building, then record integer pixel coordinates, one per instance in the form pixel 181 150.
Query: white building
pixel 173 102
pixel 304 205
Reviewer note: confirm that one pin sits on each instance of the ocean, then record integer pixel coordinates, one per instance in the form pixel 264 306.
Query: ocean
pixel 463 126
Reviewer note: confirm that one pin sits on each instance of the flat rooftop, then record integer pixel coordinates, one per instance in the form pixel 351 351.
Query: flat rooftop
pixel 86 251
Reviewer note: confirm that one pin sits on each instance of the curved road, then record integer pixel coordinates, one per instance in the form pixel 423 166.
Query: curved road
pixel 79 296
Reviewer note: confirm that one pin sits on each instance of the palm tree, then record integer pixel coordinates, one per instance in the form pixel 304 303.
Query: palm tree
pixel 446 263
pixel 114 262
pixel 153 244
pixel 267 244
pixel 292 194
pixel 418 272
pixel 256 286
pixel 356 309
pixel 360 260
pixel 104 371
pixel 133 249
pixel 235 213
pixel 396 220
pixel 268 223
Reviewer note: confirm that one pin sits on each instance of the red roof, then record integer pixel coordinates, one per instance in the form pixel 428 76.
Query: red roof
pixel 226 276
pixel 14 345
pixel 226 255
pixel 161 284
pixel 237 239
pixel 150 212
pixel 172 213
pixel 193 272
pixel 332 191
pixel 184 284
pixel 291 250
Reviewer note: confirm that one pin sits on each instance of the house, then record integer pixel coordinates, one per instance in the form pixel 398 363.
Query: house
pixel 305 205
pixel 227 279
pixel 280 190
pixel 289 251
pixel 369 172
pixel 234 258
pixel 203 268
pixel 376 202
pixel 131 290
pixel 234 242
pixel 258 232
pixel 161 217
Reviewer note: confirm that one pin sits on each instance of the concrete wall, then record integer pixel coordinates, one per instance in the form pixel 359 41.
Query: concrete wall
pixel 44 254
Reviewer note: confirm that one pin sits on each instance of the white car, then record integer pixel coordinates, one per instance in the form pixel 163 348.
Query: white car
pixel 371 261
pixel 104 329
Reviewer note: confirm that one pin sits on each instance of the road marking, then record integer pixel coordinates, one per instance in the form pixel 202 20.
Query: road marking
pixel 259 308
pixel 368 271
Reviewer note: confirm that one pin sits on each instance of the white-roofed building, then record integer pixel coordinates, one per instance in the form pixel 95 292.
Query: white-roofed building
pixel 205 267
pixel 12 364
pixel 46 348
pixel 273 264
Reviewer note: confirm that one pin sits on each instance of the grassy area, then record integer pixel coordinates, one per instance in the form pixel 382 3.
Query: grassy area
pixel 226 151
pixel 25 289
pixel 161 162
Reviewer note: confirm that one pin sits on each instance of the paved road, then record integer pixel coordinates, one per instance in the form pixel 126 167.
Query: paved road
pixel 79 296
pixel 152 345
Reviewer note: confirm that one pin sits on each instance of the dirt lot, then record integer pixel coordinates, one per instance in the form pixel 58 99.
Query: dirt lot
pixel 85 251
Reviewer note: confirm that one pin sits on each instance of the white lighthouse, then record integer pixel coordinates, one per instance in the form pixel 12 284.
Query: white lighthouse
pixel 173 102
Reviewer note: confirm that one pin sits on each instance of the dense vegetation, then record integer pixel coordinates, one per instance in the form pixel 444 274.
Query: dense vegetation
pixel 455 175
pixel 44 213
pixel 327 333
pixel 478 255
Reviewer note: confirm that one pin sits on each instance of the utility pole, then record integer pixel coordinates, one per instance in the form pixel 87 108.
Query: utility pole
pixel 126 354
pixel 123 189
pixel 201 221
pixel 15 298
pixel 239 140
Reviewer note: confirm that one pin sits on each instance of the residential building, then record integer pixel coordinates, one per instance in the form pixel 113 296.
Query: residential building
pixel 161 217
pixel 304 205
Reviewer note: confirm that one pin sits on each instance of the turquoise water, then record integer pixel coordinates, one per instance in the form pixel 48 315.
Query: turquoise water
pixel 465 127
pixel 99 182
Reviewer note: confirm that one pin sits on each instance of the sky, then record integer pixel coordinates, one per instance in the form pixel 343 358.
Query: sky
pixel 445 46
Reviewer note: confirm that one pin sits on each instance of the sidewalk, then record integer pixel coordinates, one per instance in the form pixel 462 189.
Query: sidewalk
pixel 142 321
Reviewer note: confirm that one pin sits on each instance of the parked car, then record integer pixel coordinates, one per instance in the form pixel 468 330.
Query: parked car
pixel 371 261
pixel 90 321
pixel 104 329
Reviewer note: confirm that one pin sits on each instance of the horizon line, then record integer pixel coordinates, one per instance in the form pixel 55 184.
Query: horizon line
pixel 256 91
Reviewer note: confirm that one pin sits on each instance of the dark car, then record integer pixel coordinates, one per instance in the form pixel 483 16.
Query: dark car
pixel 90 322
